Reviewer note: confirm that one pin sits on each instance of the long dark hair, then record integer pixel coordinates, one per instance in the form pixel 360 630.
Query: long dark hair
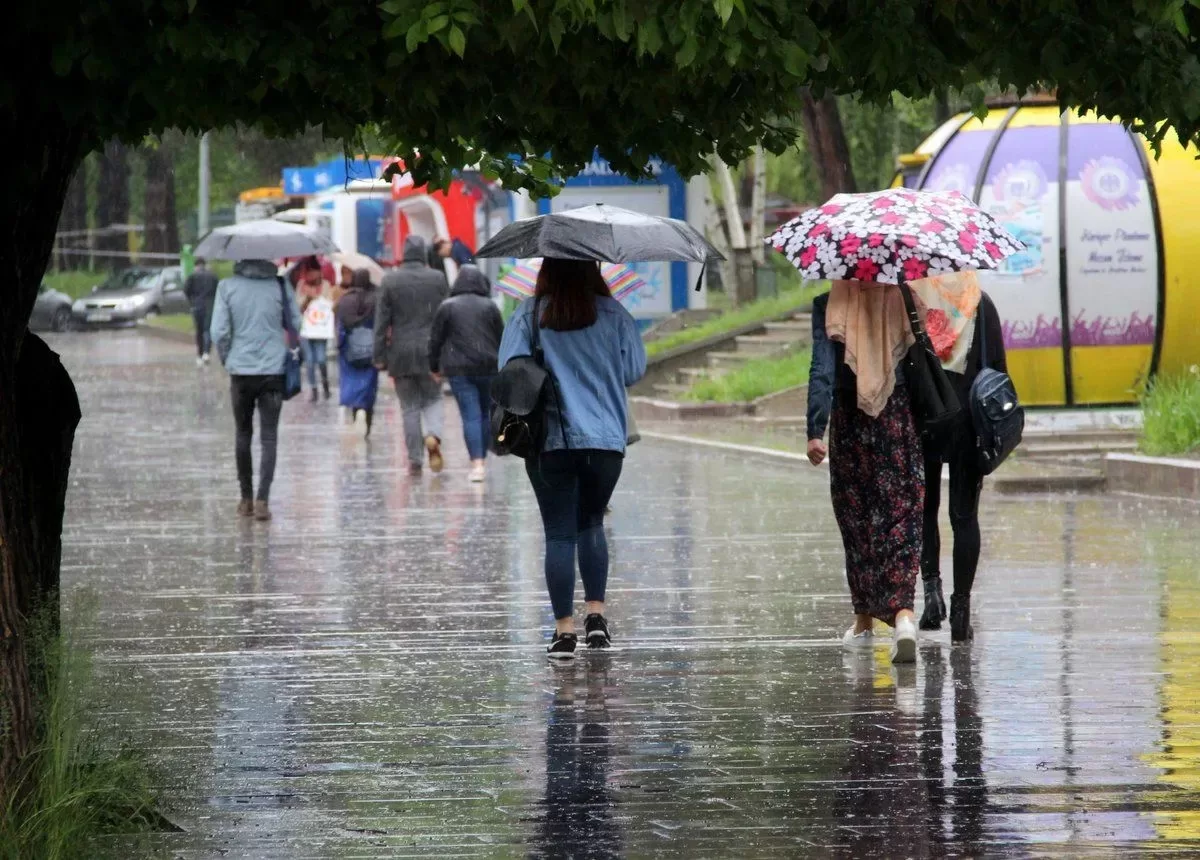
pixel 568 290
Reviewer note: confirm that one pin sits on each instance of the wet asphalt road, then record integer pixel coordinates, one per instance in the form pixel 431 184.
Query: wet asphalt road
pixel 364 676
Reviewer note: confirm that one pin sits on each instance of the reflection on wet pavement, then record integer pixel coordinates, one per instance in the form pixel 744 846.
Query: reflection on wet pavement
pixel 364 676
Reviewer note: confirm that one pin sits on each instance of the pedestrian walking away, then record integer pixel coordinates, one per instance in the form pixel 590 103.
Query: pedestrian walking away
pixel 200 289
pixel 409 298
pixel 248 331
pixel 315 297
pixel 857 389
pixel 971 322
pixel 464 346
pixel 593 352
pixel 358 379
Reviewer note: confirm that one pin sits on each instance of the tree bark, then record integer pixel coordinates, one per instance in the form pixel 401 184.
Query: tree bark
pixel 743 266
pixel 112 205
pixel 758 205
pixel 161 227
pixel 38 415
pixel 73 222
pixel 827 143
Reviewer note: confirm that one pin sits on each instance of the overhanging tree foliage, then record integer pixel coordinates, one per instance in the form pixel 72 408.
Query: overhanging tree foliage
pixel 475 81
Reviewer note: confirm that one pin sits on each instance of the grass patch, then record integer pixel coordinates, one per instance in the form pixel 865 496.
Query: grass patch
pixel 74 284
pixel 763 309
pixel 752 380
pixel 1171 415
pixel 173 322
pixel 81 782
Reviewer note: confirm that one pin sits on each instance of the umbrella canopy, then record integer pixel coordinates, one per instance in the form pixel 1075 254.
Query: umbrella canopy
pixel 601 232
pixel 355 261
pixel 265 239
pixel 520 281
pixel 892 237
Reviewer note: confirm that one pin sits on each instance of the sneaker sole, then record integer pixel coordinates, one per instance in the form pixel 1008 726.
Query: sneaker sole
pixel 560 655
pixel 904 651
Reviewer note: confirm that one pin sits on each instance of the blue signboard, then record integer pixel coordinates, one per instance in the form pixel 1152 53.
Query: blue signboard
pixel 302 181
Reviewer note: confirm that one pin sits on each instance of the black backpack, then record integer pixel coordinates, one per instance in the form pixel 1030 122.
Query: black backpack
pixel 519 395
pixel 997 416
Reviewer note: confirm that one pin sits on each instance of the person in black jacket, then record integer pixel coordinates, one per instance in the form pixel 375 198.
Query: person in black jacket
pixel 464 343
pixel 966 483
pixel 200 289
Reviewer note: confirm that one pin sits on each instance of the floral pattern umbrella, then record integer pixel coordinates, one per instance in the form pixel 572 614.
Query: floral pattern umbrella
pixel 893 237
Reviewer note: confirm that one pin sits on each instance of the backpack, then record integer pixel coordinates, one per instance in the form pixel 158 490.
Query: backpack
pixel 997 417
pixel 519 391
pixel 360 345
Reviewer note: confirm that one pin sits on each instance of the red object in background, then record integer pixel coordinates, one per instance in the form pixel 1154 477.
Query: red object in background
pixel 459 206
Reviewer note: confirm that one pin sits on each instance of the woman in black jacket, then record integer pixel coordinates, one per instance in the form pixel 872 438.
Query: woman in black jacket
pixel 966 483
pixel 464 343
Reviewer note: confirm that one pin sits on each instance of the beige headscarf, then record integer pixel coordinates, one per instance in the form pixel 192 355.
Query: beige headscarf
pixel 871 321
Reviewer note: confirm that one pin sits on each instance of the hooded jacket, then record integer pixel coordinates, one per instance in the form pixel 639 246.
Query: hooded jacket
pixel 247 325
pixel 408 299
pixel 466 332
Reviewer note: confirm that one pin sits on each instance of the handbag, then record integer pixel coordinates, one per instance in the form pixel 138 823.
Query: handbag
pixel 360 345
pixel 291 359
pixel 518 420
pixel 997 416
pixel 935 403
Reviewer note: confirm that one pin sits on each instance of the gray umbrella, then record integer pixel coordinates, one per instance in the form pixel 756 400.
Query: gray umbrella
pixel 601 232
pixel 265 239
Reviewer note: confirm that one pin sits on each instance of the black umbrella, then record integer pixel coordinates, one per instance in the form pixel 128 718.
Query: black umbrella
pixel 601 232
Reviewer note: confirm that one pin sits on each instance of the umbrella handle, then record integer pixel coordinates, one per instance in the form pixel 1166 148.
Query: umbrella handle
pixel 703 266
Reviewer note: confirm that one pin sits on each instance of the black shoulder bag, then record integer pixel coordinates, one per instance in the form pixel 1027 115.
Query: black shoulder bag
pixel 519 392
pixel 935 404
pixel 996 414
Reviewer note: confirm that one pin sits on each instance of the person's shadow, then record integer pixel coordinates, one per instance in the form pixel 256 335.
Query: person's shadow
pixel 576 816
pixel 894 795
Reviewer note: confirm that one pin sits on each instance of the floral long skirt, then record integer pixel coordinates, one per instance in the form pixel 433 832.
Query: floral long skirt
pixel 877 479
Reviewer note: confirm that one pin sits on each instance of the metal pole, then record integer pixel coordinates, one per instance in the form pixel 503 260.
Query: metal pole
pixel 205 179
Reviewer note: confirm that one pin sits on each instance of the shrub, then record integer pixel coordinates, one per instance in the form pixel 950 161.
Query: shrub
pixel 1171 414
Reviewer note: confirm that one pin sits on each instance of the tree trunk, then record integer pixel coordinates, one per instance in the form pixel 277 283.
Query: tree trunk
pixel 941 109
pixel 73 223
pixel 161 227
pixel 743 265
pixel 112 206
pixel 758 205
pixel 827 143
pixel 38 415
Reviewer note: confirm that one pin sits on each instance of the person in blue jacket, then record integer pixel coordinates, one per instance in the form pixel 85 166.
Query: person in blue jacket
pixel 593 352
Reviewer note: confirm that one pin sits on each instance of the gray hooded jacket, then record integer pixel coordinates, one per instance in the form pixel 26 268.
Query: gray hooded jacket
pixel 408 299
pixel 247 324
pixel 465 339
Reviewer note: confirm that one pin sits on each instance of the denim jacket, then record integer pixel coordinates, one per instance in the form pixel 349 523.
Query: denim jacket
pixel 247 323
pixel 591 367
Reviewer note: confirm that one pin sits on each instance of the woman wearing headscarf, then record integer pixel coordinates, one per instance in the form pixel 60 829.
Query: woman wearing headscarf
pixel 358 377
pixel 857 389
pixel 960 319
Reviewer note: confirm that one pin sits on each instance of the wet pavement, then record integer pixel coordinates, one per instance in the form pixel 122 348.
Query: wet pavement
pixel 364 676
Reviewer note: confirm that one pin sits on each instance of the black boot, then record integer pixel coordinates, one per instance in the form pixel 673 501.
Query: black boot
pixel 935 605
pixel 370 421
pixel 960 618
pixel 315 395
pixel 325 380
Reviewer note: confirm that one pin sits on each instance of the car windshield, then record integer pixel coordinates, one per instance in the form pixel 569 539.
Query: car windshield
pixel 129 279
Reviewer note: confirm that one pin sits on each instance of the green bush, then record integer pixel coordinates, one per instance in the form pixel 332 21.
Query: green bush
pixel 752 380
pixel 763 309
pixel 173 322
pixel 1171 414
pixel 80 782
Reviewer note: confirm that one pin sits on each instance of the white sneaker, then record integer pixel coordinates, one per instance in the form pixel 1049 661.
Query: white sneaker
pixel 856 641
pixel 904 646
pixel 206 358
pixel 199 361
pixel 478 473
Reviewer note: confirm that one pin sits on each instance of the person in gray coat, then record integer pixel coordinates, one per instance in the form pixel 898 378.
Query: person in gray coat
pixel 408 299
pixel 248 331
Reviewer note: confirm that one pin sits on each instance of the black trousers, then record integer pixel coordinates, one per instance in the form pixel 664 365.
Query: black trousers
pixel 264 394
pixel 966 482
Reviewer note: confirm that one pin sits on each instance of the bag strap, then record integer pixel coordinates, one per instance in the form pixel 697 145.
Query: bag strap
pixel 914 319
pixel 535 346
pixel 983 350
pixel 287 321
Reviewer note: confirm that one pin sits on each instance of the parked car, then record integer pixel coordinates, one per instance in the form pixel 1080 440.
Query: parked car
pixel 51 311
pixel 129 295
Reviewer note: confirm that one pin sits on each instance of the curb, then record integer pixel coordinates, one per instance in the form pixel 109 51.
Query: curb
pixel 731 447
pixel 1160 477
pixel 167 334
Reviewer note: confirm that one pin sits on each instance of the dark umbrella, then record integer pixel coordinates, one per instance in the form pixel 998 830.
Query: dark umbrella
pixel 601 232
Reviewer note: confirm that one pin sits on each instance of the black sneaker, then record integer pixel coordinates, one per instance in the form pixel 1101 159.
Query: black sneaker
pixel 597 631
pixel 562 647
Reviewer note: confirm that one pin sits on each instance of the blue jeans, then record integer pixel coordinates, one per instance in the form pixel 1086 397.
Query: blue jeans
pixel 473 394
pixel 316 354
pixel 573 489
pixel 202 319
